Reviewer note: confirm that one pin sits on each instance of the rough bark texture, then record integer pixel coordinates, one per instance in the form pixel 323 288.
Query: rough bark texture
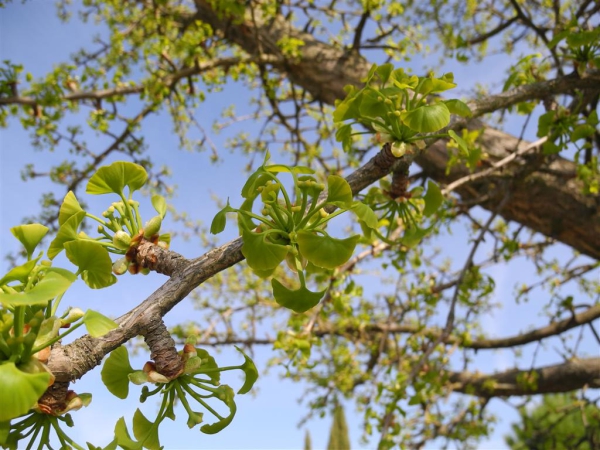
pixel 563 377
pixel 547 200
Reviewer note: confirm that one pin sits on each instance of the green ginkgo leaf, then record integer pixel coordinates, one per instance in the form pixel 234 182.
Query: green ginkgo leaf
pixel 114 177
pixel 93 262
pixel 225 394
pixel 250 372
pixel 299 300
pixel 160 205
pixel 98 324
pixel 459 108
pixel 145 432
pixel 372 105
pixel 257 179
pixel 115 371
pixel 427 118
pixel 365 214
pixel 209 366
pixel 276 168
pixel 122 437
pixel 69 207
pixel 19 390
pixel 433 199
pixel 66 233
pixel 29 235
pixel 434 85
pixel 344 135
pixel 325 251
pixel 220 219
pixel 19 273
pixel 339 192
pixel 261 254
pixel 52 285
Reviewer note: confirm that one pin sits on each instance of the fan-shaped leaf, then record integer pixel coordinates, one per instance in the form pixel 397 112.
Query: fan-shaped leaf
pixel 249 370
pixel 19 390
pixel 145 432
pixel 160 205
pixel 114 177
pixel 98 324
pixel 29 235
pixel 325 251
pixel 225 394
pixel 52 285
pixel 94 262
pixel 427 118
pixel 70 206
pixel 300 300
pixel 115 371
pixel 260 254
pixel 66 233
pixel 433 198
pixel 339 192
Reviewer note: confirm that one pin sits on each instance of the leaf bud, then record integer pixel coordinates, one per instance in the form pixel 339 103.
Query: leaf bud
pixel 100 229
pixel 121 240
pixel 152 227
pixel 120 266
pixel 74 315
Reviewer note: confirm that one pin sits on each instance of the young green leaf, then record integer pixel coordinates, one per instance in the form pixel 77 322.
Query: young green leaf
pixel 160 205
pixel 19 390
pixel 339 192
pixel 462 144
pixel 459 108
pixel 69 207
pixel 145 432
pixel 93 261
pixel 98 324
pixel 115 372
pixel 122 437
pixel 66 233
pixel 433 199
pixel 29 235
pixel 260 254
pixel 365 214
pixel 114 177
pixel 209 366
pixel 344 135
pixel 52 285
pixel 427 118
pixel 325 251
pixel 220 219
pixel 225 394
pixel 277 168
pixel 300 300
pixel 249 370
pixel 19 273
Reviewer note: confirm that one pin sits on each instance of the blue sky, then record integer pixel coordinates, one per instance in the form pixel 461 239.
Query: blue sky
pixel 30 34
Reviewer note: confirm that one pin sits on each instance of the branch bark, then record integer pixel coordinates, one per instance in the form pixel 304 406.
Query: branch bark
pixel 565 377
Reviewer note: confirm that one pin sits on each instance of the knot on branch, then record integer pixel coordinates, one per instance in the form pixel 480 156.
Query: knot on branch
pixel 162 350
pixel 148 255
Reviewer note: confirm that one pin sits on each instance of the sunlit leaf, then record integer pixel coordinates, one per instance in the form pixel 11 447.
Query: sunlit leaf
pixel 225 394
pixel 344 135
pixel 260 254
pixel 114 177
pixel 339 192
pixel 29 235
pixel 433 199
pixel 250 372
pixel 19 273
pixel 220 219
pixel 299 300
pixel 427 118
pixel 94 262
pixel 66 233
pixel 115 372
pixel 145 432
pixel 365 214
pixel 434 85
pixel 276 168
pixel 209 366
pixel 258 178
pixel 122 436
pixel 325 251
pixel 52 285
pixel 372 105
pixel 98 324
pixel 384 71
pixel 459 108
pixel 160 205
pixel 69 207
pixel 19 390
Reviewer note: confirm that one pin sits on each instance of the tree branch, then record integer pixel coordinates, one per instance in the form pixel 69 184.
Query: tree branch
pixel 565 377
